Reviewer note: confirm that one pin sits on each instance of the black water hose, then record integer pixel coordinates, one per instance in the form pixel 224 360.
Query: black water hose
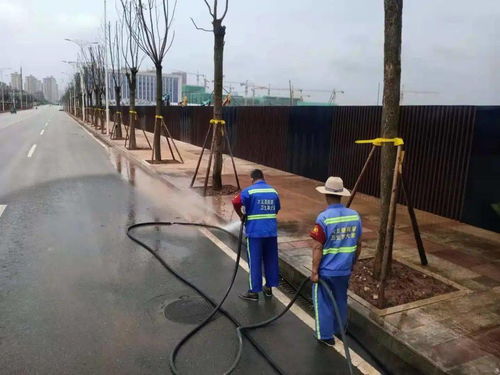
pixel 351 336
pixel 218 305
pixel 240 330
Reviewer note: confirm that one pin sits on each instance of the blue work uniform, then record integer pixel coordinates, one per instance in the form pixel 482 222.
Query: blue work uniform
pixel 342 230
pixel 261 202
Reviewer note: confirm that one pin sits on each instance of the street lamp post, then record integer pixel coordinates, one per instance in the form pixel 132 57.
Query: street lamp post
pixel 84 93
pixel 74 98
pixel 106 65
pixel 69 93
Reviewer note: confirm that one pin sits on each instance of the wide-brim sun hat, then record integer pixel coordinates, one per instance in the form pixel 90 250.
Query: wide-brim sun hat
pixel 334 186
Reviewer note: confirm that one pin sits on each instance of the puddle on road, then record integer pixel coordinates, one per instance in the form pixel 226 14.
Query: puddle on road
pixel 165 197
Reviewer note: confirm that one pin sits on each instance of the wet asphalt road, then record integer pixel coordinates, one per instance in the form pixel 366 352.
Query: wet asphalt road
pixel 78 297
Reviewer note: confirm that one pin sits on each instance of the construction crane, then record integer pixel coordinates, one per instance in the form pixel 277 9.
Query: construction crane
pixel 333 96
pixel 231 83
pixel 198 75
pixel 404 92
pixel 253 87
pixel 333 93
pixel 418 92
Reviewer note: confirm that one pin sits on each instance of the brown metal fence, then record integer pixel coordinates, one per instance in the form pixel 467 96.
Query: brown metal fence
pixel 437 143
pixel 317 142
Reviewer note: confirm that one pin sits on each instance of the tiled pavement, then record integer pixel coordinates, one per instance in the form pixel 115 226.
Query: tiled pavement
pixel 459 335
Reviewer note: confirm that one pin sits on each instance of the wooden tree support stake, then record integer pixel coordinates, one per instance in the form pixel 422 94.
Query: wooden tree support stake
pixel 117 121
pixel 212 129
pixel 356 185
pixel 389 237
pixel 103 121
pixel 409 204
pixel 414 223
pixel 164 129
pixel 133 117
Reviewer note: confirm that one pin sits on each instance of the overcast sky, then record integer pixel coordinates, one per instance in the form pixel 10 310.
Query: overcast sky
pixel 450 47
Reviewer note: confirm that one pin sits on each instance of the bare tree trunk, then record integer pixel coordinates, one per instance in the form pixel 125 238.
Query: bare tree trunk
pixel 218 144
pixel 157 129
pixel 390 122
pixel 118 95
pixel 132 145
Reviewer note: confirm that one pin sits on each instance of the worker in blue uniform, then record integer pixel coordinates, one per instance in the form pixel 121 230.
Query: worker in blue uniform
pixel 337 236
pixel 260 203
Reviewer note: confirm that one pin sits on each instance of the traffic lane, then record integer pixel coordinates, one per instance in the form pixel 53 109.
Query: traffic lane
pixel 289 341
pixel 15 144
pixel 64 150
pixel 68 305
pixel 7 119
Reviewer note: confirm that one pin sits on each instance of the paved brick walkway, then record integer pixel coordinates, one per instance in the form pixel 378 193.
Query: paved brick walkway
pixel 459 333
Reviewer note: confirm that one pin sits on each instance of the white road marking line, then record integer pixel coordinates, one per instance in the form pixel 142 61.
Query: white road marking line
pixel 357 361
pixel 97 139
pixel 2 209
pixel 32 150
pixel 43 131
pixel 46 124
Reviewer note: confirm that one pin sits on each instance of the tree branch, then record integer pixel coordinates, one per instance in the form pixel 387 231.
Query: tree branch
pixel 209 8
pixel 225 11
pixel 200 28
pixel 145 41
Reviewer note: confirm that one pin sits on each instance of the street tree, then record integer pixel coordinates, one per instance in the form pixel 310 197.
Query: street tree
pixel 129 22
pixel 84 62
pixel 393 10
pixel 154 36
pixel 95 53
pixel 219 32
pixel 97 76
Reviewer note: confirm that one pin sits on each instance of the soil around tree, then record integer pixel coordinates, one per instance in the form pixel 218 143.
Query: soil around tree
pixel 226 190
pixel 405 285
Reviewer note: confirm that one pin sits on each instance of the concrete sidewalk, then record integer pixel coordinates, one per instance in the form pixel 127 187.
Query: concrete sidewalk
pixel 454 333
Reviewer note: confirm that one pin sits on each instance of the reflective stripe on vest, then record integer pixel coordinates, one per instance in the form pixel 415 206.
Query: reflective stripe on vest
pixel 263 190
pixel 261 216
pixel 337 250
pixel 341 219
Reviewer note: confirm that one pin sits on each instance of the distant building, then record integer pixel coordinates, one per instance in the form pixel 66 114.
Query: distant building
pixel 146 88
pixel 196 95
pixel 50 89
pixel 32 84
pixel 183 76
pixel 16 81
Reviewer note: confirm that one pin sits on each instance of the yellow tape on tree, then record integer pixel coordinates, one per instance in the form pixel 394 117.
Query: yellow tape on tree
pixel 158 116
pixel 217 122
pixel 380 141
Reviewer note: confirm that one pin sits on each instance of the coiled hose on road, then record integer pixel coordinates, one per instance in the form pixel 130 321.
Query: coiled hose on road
pixel 217 306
